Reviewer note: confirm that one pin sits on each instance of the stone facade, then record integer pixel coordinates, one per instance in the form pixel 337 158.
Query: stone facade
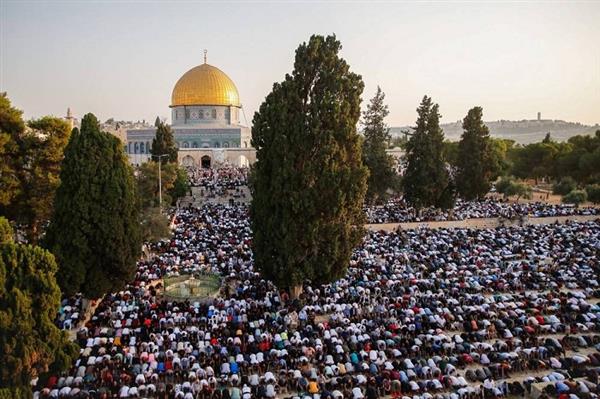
pixel 209 157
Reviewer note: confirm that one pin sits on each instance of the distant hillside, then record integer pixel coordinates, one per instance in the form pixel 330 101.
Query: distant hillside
pixel 523 132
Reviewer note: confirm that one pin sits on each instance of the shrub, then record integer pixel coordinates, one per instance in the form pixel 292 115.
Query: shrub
pixel 564 186
pixel 575 197
pixel 593 193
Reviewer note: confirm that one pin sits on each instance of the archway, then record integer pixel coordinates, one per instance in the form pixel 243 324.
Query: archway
pixel 205 162
pixel 188 160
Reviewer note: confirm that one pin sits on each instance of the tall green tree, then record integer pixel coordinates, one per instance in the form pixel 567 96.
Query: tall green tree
pixel 181 186
pixel 40 152
pixel 377 136
pixel 174 186
pixel 475 167
pixel 147 183
pixel 499 152
pixel 535 160
pixel 30 342
pixel 31 166
pixel 95 228
pixel 155 225
pixel 11 127
pixel 426 177
pixel 163 143
pixel 309 182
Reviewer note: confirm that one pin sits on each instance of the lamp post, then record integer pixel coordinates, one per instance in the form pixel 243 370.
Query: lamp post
pixel 160 181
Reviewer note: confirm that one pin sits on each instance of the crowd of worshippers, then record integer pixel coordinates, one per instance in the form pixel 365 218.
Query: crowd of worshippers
pixel 70 312
pixel 225 177
pixel 396 210
pixel 420 314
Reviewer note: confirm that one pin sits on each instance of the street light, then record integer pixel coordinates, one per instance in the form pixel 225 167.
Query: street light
pixel 160 181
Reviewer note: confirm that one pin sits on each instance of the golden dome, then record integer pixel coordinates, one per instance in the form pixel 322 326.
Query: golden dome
pixel 205 85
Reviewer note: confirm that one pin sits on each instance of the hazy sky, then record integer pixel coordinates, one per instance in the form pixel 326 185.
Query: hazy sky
pixel 122 59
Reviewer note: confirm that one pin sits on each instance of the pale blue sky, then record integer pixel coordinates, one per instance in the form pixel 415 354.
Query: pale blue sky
pixel 122 59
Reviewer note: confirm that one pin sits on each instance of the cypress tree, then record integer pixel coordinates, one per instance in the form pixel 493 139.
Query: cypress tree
pixel 308 184
pixel 474 166
pixel 164 143
pixel 95 231
pixel 426 179
pixel 377 135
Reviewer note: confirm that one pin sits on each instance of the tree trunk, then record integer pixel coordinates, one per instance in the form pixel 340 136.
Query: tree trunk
pixel 295 291
pixel 85 308
pixel 32 234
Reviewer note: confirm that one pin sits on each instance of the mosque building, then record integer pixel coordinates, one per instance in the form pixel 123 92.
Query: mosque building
pixel 205 114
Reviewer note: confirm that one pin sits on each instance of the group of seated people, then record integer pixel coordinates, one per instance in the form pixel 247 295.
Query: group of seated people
pixel 396 210
pixel 223 183
pixel 226 177
pixel 420 314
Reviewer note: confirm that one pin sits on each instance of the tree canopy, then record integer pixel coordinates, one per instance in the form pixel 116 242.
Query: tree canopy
pixel 426 177
pixel 31 165
pixel 474 165
pixel 175 185
pixel 163 143
pixel 95 228
pixel 40 152
pixel 30 342
pixel 508 186
pixel 377 136
pixel 308 184
pixel 11 126
pixel 575 197
pixel 6 232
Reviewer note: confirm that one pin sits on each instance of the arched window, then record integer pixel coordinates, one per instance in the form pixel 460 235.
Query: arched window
pixel 136 149
pixel 148 147
pixel 186 144
pixel 216 145
pixel 195 144
pixel 129 148
pixel 214 113
pixel 142 148
pixel 225 144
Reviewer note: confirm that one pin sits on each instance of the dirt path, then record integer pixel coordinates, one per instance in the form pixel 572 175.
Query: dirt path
pixel 482 223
